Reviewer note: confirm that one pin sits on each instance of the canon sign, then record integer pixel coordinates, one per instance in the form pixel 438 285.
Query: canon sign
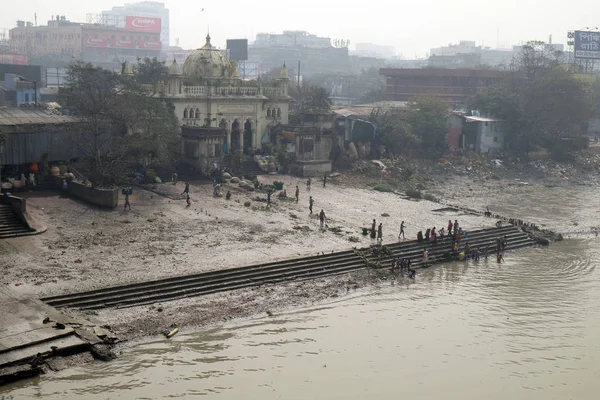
pixel 142 24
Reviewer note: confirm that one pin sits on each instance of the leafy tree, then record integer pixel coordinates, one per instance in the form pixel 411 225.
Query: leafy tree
pixel 151 71
pixel 310 98
pixel 121 125
pixel 398 137
pixel 428 119
pixel 539 101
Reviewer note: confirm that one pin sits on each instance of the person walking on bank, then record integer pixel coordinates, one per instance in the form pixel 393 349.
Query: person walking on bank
pixel 373 229
pixel 187 188
pixel 297 193
pixel 311 203
pixel 402 226
pixel 308 183
pixel 127 191
pixel 269 198
pixel 380 232
pixel 322 218
pixel 325 180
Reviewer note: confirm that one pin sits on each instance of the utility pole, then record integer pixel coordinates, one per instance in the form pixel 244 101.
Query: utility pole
pixel 298 73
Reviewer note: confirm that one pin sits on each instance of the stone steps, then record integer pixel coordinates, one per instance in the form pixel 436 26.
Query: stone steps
pixel 10 224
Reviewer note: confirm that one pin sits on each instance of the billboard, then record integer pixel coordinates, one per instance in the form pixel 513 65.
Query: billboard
pixel 91 42
pixel 238 49
pixel 142 24
pixel 13 59
pixel 123 44
pixel 587 45
pixel 150 45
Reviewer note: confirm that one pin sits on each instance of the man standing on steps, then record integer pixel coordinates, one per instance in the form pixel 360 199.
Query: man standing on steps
pixel 455 227
pixel 402 226
pixel 297 193
pixel 425 257
pixel 311 203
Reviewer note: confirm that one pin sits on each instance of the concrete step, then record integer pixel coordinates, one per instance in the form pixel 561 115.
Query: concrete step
pixel 10 224
pixel 65 345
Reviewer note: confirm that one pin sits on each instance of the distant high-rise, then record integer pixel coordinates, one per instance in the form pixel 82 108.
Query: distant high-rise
pixel 150 9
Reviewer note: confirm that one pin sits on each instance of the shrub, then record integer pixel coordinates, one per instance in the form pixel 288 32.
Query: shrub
pixel 430 197
pixel 383 187
pixel 414 193
pixel 150 176
pixel 278 185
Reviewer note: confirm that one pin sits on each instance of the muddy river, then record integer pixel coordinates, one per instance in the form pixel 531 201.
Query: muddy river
pixel 528 329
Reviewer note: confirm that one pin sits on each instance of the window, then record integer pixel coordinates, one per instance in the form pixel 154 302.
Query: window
pixel 279 113
pixel 27 97
pixel 185 113
pixel 268 113
pixel 197 113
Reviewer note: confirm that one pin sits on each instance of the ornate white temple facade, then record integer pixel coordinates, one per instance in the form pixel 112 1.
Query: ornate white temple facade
pixel 220 113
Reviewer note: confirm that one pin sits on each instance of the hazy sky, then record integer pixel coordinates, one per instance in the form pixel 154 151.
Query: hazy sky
pixel 411 27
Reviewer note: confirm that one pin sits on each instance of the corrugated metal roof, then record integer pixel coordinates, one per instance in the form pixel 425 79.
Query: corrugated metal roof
pixel 481 119
pixel 26 116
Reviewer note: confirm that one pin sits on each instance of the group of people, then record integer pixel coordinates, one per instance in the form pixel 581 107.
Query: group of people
pixel 403 265
pixel 377 231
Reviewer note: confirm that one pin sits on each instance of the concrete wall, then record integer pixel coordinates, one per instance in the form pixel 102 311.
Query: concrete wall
pixel 310 168
pixel 490 137
pixel 106 198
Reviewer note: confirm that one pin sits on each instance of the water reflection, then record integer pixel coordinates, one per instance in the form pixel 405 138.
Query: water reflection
pixel 525 329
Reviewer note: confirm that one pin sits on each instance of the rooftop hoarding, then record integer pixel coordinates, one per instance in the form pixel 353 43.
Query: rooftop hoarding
pixel 143 24
pixel 587 45
pixel 93 42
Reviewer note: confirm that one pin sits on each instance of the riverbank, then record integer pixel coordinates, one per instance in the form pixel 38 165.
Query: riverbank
pixel 88 248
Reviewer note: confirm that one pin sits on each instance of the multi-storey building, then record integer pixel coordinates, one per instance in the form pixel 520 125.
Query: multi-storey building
pixel 452 85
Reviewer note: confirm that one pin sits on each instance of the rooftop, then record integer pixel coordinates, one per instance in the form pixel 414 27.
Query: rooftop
pixel 429 72
pixel 28 116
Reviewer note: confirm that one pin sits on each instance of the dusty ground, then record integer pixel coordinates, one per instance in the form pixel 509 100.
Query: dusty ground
pixel 87 248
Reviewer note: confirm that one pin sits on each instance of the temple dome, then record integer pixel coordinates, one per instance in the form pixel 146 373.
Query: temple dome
pixel 207 62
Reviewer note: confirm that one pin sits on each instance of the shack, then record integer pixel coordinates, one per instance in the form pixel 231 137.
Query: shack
pixel 472 132
pixel 34 136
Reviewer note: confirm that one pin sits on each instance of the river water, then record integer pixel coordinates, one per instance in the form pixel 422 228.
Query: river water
pixel 528 329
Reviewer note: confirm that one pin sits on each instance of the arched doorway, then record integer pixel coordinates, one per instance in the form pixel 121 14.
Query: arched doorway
pixel 248 135
pixel 235 135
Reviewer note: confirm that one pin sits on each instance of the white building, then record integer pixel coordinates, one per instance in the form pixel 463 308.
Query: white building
pixel 486 55
pixel 291 39
pixel 152 9
pixel 374 50
pixel 218 113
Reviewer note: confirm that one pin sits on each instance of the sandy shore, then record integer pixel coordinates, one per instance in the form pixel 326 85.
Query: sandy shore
pixel 87 248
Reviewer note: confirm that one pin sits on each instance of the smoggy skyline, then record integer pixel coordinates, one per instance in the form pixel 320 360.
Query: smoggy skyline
pixel 411 29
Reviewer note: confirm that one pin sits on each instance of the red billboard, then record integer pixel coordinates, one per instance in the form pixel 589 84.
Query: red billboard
pixel 123 44
pixel 150 45
pixel 14 59
pixel 91 42
pixel 142 24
